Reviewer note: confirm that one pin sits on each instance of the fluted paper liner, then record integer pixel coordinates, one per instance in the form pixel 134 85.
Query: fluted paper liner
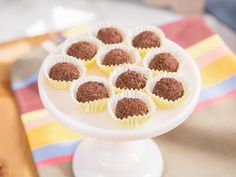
pixel 108 69
pixel 162 102
pixel 54 59
pixel 173 51
pixel 131 121
pixel 119 70
pixel 91 106
pixel 134 32
pixel 88 63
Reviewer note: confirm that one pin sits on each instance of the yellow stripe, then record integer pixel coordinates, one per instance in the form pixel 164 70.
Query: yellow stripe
pixel 221 69
pixel 203 46
pixel 50 134
pixel 26 117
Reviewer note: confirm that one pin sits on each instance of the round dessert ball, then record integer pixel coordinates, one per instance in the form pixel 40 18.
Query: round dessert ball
pixel 169 88
pixel 146 39
pixel 165 62
pixel 116 57
pixel 131 80
pixel 82 50
pixel 91 91
pixel 130 107
pixel 64 71
pixel 109 35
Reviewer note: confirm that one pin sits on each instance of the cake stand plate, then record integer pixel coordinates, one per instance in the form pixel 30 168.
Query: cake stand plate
pixel 112 151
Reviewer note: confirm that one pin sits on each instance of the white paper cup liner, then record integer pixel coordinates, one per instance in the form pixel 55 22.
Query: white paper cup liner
pixel 131 121
pixel 173 51
pixel 134 32
pixel 119 70
pixel 105 24
pixel 51 60
pixel 91 106
pixel 101 54
pixel 85 38
pixel 162 102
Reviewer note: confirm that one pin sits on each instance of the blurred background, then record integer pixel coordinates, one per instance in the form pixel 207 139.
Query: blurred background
pixel 32 17
pixel 204 146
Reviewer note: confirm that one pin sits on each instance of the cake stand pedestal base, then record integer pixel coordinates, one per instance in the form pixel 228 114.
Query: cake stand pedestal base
pixel 99 158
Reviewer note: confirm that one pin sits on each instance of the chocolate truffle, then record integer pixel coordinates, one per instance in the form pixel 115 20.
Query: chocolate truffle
pixel 131 80
pixel 91 91
pixel 130 107
pixel 146 39
pixel 64 71
pixel 82 50
pixel 165 62
pixel 116 57
pixel 169 88
pixel 109 35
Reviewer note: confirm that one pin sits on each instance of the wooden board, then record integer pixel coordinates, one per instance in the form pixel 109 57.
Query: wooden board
pixel 15 155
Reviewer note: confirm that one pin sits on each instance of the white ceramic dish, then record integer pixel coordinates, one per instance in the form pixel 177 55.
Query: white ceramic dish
pixel 114 138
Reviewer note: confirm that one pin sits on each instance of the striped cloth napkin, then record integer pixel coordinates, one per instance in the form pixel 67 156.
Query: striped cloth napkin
pixel 204 145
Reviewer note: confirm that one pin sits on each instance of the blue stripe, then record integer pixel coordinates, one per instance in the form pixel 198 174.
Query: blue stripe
pixel 219 89
pixel 55 150
pixel 62 38
pixel 25 82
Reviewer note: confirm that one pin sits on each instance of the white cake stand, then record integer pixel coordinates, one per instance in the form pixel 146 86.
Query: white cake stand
pixel 112 151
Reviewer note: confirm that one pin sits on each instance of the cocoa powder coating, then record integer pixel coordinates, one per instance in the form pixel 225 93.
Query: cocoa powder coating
pixel 130 107
pixel 169 88
pixel 82 50
pixel 109 35
pixel 146 39
pixel 64 71
pixel 165 62
pixel 116 57
pixel 131 80
pixel 91 91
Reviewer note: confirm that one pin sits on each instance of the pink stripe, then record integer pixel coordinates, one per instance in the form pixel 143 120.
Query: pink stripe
pixel 55 160
pixel 28 98
pixel 214 100
pixel 212 55
pixel 38 122
pixel 180 31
